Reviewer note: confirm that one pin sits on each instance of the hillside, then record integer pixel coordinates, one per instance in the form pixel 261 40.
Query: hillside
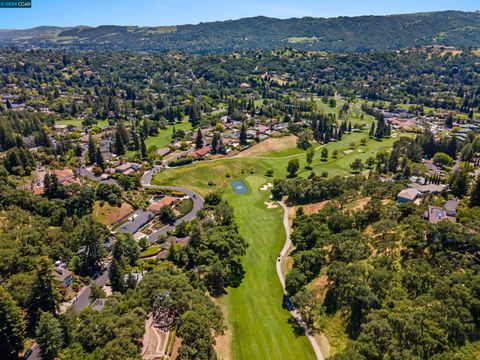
pixel 337 34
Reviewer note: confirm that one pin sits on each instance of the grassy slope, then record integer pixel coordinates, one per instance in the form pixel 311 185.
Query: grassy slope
pixel 260 326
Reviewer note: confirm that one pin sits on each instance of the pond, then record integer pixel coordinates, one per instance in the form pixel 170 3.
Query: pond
pixel 239 187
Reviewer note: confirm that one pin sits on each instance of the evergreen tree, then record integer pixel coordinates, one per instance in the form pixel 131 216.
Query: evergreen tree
pixel 91 150
pixel 45 295
pixel 449 120
pixel 143 148
pixel 90 235
pixel 116 275
pixel 459 183
pixel 78 151
pixel 372 130
pixel 99 158
pixel 122 130
pixel 214 143
pixel 119 144
pixel 52 186
pixel 475 195
pixel 49 335
pixel 12 326
pixel 145 128
pixel 136 141
pixel 452 147
pixel 243 135
pixel 199 140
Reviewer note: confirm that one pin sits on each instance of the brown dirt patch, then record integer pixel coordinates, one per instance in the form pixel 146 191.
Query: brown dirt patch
pixel 320 283
pixel 270 145
pixel 223 342
pixel 314 208
pixel 110 215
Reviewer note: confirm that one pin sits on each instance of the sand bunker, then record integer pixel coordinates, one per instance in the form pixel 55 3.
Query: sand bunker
pixel 271 204
pixel 266 186
pixel 348 151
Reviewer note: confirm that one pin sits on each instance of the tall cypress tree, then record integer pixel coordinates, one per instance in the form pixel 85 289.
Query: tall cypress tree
pixel 91 150
pixel 119 144
pixel 143 148
pixel 199 139
pixel 214 144
pixel 99 158
pixel 243 135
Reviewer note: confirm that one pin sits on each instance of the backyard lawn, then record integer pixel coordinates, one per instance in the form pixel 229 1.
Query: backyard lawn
pixel 164 136
pixel 260 327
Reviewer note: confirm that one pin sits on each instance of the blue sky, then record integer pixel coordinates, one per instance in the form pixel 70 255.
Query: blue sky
pixel 176 12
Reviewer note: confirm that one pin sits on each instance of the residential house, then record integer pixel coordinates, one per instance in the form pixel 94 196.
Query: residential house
pixel 99 304
pixel 127 168
pixel 202 152
pixel 62 274
pixel 435 214
pixel 407 195
pixel 135 222
pixel 164 151
pixel 158 205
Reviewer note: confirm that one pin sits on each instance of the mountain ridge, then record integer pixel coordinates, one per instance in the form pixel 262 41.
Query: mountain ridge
pixel 360 33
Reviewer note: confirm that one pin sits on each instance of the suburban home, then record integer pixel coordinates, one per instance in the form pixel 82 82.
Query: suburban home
pixel 99 304
pixel 435 214
pixel 201 153
pixel 127 168
pixel 62 274
pixel 138 220
pixel 450 207
pixel 407 195
pixel 431 188
pixel 158 205
pixel 262 129
pixel 65 177
pixel 164 151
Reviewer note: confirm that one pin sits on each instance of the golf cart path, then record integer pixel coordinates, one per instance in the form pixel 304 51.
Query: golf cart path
pixel 296 316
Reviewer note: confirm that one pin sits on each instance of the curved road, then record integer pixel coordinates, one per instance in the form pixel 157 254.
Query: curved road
pixel 290 306
pixel 198 203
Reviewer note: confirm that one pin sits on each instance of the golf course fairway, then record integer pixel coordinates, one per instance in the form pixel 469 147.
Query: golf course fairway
pixel 261 328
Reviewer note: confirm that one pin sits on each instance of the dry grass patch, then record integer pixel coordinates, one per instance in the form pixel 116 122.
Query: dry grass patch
pixel 271 145
pixel 223 343
pixel 310 209
pixel 110 215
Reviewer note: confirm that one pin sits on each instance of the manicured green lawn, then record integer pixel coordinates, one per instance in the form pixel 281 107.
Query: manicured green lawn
pixel 260 326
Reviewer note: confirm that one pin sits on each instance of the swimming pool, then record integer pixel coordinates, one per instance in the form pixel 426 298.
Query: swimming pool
pixel 239 187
